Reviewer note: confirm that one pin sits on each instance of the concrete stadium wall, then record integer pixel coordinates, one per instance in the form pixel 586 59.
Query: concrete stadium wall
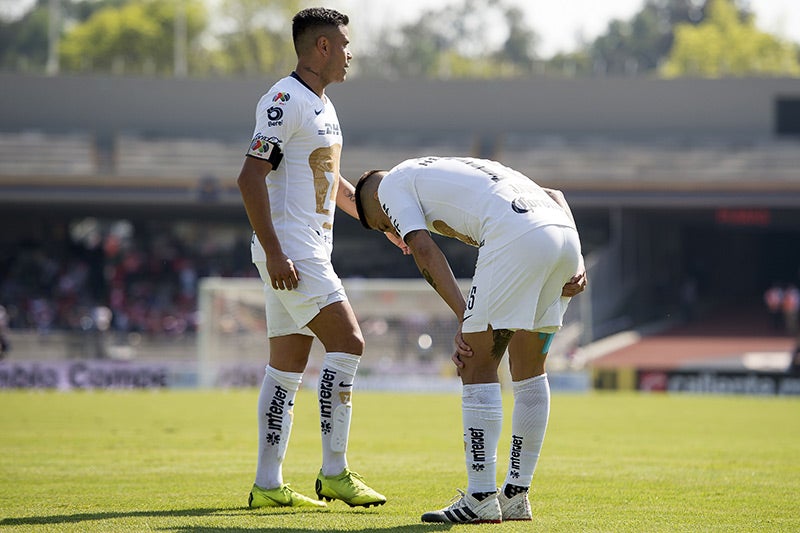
pixel 224 108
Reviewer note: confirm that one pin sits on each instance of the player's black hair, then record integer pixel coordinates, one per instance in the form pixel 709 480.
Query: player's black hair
pixel 359 206
pixel 315 17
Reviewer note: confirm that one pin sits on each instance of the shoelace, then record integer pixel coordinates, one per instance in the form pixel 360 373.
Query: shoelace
pixel 456 500
pixel 354 475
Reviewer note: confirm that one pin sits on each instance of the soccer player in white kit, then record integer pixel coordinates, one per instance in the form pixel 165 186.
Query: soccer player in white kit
pixel 291 186
pixel 529 266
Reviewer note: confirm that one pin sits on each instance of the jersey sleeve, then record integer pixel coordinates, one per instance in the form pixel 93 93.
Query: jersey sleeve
pixel 401 204
pixel 277 118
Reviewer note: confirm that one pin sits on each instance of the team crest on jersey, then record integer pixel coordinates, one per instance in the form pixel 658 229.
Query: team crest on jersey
pixel 283 97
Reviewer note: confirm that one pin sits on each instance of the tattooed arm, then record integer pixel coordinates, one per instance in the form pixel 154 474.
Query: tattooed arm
pixel 346 198
pixel 436 270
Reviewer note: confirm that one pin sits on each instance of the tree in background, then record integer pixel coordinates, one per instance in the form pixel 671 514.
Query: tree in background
pixel 133 37
pixel 727 44
pixel 453 42
pixel 254 38
pixel 641 44
pixel 473 39
pixel 519 49
pixel 23 42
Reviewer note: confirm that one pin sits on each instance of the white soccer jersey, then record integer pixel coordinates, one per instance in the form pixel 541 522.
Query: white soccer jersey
pixel 477 201
pixel 302 190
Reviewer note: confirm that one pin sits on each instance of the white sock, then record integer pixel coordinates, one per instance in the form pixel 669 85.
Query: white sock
pixel 335 389
pixel 528 426
pixel 275 412
pixel 482 417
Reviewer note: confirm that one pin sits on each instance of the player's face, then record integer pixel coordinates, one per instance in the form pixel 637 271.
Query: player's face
pixel 340 56
pixel 383 223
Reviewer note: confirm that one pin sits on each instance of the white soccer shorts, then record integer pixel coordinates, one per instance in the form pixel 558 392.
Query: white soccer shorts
pixel 288 312
pixel 519 285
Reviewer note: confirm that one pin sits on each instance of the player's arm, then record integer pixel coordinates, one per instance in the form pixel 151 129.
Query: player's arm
pixel 255 197
pixel 346 197
pixel 436 270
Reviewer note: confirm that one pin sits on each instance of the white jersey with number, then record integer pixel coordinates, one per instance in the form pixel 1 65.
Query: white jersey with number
pixel 302 190
pixel 479 202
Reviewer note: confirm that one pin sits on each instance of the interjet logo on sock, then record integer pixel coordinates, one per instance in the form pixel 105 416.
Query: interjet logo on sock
pixel 477 445
pixel 326 381
pixel 516 453
pixel 277 408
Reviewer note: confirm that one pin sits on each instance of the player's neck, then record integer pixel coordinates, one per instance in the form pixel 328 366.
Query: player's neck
pixel 311 78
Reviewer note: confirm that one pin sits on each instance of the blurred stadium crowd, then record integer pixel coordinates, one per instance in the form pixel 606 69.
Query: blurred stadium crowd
pixel 104 278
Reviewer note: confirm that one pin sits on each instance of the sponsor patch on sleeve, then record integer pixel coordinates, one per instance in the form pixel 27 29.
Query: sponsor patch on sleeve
pixel 267 148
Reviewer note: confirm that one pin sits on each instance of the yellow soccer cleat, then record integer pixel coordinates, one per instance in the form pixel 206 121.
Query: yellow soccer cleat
pixel 283 496
pixel 348 487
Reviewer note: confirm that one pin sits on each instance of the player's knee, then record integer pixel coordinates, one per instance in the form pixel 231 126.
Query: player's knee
pixel 352 343
pixel 358 344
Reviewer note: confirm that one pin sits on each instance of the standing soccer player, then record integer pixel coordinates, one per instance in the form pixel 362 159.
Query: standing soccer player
pixel 529 265
pixel 290 186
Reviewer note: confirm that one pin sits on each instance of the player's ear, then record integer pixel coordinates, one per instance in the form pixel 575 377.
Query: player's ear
pixel 322 45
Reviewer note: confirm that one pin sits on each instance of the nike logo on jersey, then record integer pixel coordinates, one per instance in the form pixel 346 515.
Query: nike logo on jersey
pixel 466 318
pixel 318 112
pixel 343 384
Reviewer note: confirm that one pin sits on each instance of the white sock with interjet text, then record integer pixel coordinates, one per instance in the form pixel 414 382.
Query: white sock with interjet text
pixel 482 417
pixel 335 390
pixel 528 426
pixel 275 413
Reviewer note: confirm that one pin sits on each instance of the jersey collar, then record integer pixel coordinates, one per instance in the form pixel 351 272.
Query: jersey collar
pixel 296 76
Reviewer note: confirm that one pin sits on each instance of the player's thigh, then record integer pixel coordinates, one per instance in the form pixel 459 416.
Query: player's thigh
pixel 337 328
pixel 527 353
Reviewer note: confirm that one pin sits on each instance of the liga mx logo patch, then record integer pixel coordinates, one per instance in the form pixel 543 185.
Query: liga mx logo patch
pixel 262 147
pixel 283 97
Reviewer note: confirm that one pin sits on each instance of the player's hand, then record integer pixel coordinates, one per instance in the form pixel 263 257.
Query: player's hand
pixel 397 241
pixel 575 286
pixel 462 350
pixel 282 273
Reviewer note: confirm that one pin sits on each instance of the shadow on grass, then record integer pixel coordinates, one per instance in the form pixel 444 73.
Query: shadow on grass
pixel 390 529
pixel 87 517
pixel 177 513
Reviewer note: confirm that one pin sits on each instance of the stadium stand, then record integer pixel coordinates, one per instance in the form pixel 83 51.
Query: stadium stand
pixel 668 162
pixel 34 153
pixel 176 158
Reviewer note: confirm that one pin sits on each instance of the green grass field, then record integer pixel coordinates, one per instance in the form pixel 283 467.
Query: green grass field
pixel 183 462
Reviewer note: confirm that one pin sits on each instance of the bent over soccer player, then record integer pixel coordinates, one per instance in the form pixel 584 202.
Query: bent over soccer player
pixel 290 186
pixel 529 265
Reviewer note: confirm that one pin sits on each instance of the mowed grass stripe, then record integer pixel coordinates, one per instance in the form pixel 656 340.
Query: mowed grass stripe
pixel 184 460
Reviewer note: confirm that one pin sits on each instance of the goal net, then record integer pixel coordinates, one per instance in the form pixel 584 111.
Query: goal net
pixel 407 328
